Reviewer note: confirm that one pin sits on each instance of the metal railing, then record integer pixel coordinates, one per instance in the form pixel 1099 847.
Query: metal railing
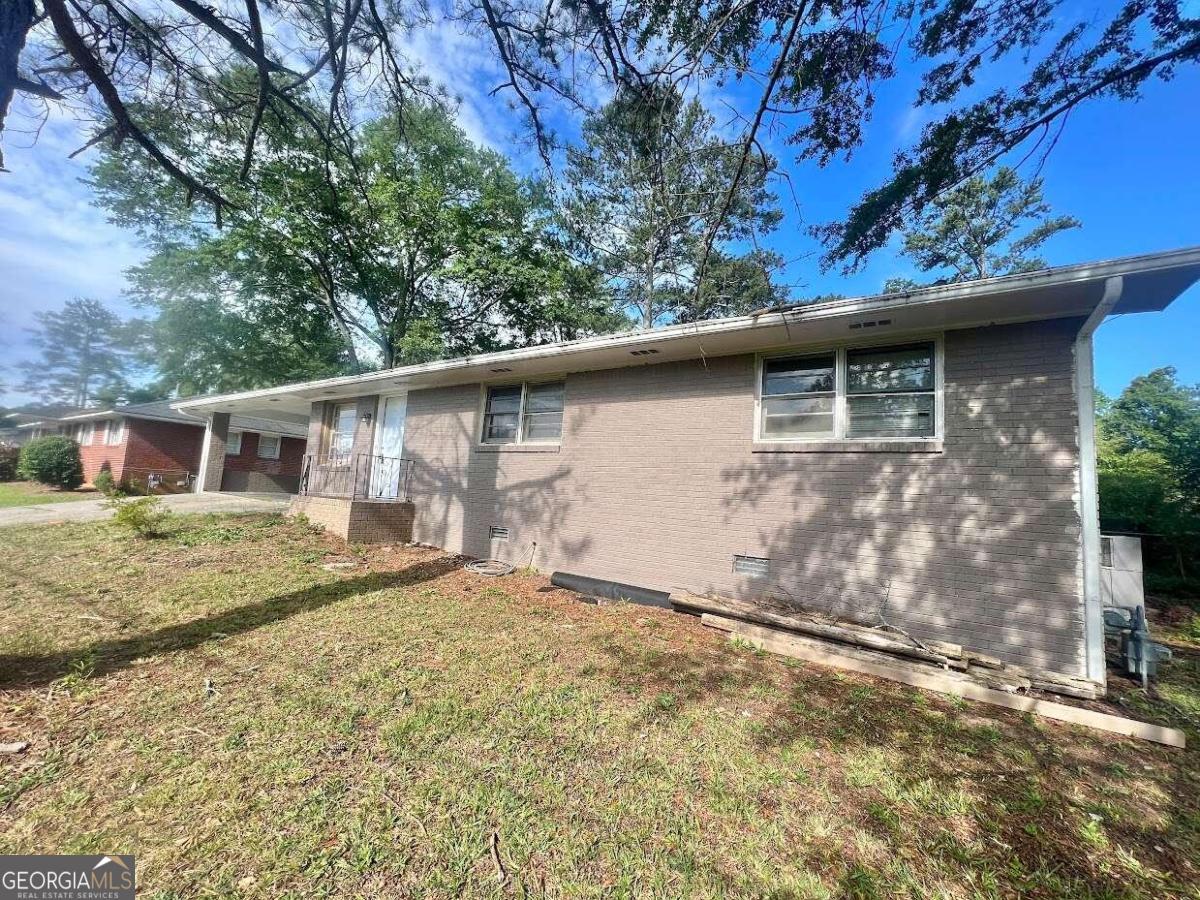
pixel 356 476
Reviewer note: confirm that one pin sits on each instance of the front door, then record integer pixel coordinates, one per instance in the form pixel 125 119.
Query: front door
pixel 387 468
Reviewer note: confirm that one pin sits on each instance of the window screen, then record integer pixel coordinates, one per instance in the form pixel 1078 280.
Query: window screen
pixel 798 395
pixel 543 415
pixel 890 392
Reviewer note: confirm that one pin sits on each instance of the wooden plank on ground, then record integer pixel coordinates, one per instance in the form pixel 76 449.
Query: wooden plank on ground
pixel 861 637
pixel 878 664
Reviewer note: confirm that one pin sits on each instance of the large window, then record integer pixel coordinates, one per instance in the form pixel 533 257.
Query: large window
pixel 523 414
pixel 850 394
pixel 85 433
pixel 341 433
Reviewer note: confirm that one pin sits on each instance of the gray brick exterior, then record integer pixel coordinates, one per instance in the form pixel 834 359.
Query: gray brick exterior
pixel 658 482
pixel 357 521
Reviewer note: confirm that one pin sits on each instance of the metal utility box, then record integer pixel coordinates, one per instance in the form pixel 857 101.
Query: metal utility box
pixel 1121 571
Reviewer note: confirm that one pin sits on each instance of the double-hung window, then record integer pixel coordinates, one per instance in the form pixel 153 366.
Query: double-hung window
pixel 869 393
pixel 890 392
pixel 341 434
pixel 523 413
pixel 233 444
pixel 268 446
pixel 114 432
pixel 799 397
pixel 85 434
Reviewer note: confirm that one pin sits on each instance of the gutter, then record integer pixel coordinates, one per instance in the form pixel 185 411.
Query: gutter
pixel 1063 275
pixel 1088 495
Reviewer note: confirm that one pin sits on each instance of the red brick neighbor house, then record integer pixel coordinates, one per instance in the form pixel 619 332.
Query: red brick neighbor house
pixel 929 455
pixel 154 447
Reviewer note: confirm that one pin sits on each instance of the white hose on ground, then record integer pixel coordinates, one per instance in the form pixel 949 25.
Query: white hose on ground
pixel 490 567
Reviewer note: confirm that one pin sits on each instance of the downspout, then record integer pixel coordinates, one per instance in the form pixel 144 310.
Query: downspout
pixel 1089 503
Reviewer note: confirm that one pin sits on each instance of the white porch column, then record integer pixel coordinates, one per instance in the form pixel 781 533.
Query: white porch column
pixel 212 453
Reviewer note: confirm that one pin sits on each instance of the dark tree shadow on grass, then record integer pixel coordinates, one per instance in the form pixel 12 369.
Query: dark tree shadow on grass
pixel 112 655
pixel 1023 772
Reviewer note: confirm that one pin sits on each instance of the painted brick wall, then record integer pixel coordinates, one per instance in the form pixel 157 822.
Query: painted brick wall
pixel 657 483
pixel 170 449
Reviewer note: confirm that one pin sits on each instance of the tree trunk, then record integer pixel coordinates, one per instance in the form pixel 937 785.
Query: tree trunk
pixel 16 18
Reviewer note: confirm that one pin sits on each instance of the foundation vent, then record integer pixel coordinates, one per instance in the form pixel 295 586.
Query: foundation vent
pixel 498 533
pixel 754 566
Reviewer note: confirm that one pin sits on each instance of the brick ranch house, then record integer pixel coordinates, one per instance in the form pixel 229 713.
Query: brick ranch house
pixel 929 452
pixel 155 447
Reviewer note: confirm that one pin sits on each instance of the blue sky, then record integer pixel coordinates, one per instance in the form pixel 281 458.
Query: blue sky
pixel 1128 171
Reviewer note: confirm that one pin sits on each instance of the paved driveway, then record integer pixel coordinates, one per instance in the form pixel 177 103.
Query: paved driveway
pixel 92 510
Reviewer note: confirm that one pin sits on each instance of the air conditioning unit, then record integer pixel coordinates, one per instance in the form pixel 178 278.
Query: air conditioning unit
pixel 1121 571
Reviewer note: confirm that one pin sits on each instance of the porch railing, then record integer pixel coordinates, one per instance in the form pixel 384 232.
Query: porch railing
pixel 356 476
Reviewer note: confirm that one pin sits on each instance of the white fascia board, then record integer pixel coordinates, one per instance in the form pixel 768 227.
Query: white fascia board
pixel 1045 278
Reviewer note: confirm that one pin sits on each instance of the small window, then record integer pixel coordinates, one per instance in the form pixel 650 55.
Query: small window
pixel 233 444
pixel 890 392
pixel 1106 554
pixel 498 533
pixel 798 396
pixel 523 413
pixel 268 446
pixel 341 435
pixel 114 432
pixel 754 566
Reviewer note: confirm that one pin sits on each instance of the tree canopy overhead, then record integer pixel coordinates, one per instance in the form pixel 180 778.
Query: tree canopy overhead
pixel 806 70
pixel 410 244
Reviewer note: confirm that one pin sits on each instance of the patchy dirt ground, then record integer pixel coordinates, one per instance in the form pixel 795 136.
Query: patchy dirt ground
pixel 249 723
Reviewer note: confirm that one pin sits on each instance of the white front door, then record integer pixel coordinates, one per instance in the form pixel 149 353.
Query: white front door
pixel 387 468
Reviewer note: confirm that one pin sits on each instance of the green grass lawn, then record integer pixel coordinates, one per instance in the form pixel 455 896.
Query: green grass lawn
pixel 251 725
pixel 28 493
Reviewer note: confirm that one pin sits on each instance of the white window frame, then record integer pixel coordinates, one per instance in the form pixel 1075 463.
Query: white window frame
pixel 114 432
pixel 87 434
pixel 332 456
pixel 840 415
pixel 520 439
pixel 233 447
pixel 278 439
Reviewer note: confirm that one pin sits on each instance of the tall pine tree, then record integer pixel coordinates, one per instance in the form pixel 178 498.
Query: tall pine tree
pixel 85 348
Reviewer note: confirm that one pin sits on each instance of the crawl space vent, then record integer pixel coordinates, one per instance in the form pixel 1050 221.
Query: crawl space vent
pixel 498 533
pixel 754 566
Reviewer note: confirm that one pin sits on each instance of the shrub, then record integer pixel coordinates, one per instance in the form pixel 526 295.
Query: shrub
pixel 52 460
pixel 106 484
pixel 8 463
pixel 143 515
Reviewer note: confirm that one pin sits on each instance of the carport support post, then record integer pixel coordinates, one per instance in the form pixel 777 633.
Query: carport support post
pixel 212 453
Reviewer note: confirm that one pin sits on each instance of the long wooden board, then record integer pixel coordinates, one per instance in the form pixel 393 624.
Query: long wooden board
pixel 878 664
